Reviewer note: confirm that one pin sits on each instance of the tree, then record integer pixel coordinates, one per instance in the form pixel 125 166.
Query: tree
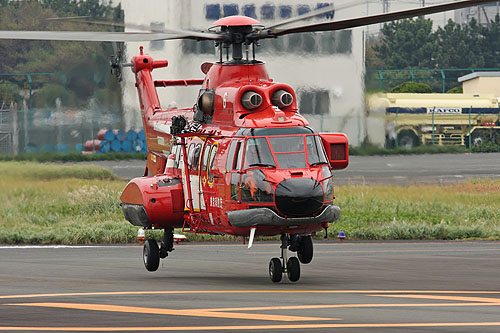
pixel 80 61
pixel 412 87
pixel 490 43
pixel 459 47
pixel 407 44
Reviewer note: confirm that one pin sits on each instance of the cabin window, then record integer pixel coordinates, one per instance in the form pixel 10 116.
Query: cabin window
pixel 190 155
pixel 235 186
pixel 230 156
pixel 205 157
pixel 196 157
pixel 177 151
pixel 258 154
pixel 211 162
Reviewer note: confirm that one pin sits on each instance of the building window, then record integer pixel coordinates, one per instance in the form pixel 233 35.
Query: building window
pixel 285 12
pixel 212 12
pixel 303 9
pixel 157 45
pixel 249 10
pixel 328 15
pixel 267 12
pixel 195 47
pixel 230 10
pixel 334 42
pixel 316 101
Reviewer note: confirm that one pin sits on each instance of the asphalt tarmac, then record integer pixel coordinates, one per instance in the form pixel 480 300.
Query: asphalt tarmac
pixel 350 286
pixel 394 170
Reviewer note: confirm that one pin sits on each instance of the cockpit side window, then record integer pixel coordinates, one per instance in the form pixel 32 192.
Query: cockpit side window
pixel 315 152
pixel 258 154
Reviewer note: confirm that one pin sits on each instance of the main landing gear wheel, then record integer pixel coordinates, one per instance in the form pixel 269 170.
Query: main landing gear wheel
pixel 293 269
pixel 305 250
pixel 275 270
pixel 280 266
pixel 151 255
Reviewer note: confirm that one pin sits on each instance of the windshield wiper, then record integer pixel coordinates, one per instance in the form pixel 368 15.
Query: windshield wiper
pixel 262 165
pixel 318 163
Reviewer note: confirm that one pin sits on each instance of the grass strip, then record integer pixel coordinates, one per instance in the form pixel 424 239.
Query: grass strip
pixel 72 157
pixel 58 204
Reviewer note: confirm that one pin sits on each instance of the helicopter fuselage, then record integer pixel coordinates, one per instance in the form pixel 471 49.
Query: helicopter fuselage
pixel 238 168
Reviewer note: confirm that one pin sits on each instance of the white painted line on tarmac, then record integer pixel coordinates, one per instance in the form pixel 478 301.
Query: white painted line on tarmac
pixel 6 247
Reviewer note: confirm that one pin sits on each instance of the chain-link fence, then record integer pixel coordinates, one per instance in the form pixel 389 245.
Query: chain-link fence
pixel 56 130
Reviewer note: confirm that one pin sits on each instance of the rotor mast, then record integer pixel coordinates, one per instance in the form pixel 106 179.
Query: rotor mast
pixel 237 30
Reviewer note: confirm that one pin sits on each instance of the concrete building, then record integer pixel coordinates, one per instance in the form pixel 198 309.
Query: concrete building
pixel 325 69
pixel 481 83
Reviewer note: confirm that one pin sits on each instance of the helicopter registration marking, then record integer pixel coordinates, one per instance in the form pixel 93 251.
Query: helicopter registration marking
pixel 216 202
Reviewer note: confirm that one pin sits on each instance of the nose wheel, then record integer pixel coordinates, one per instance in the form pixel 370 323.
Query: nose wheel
pixel 282 265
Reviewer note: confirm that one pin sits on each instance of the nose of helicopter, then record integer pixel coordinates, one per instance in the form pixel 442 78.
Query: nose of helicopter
pixel 299 196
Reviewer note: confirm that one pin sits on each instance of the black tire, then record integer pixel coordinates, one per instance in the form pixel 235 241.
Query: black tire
pixel 151 255
pixel 305 251
pixel 293 269
pixel 407 139
pixel 275 270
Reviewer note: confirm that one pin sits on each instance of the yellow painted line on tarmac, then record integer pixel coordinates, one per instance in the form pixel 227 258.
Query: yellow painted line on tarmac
pixel 247 327
pixel 173 292
pixel 173 312
pixel 333 306
pixel 448 298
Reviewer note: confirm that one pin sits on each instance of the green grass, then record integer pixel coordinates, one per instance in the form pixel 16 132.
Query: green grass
pixel 72 157
pixel 461 211
pixel 58 204
pixel 370 150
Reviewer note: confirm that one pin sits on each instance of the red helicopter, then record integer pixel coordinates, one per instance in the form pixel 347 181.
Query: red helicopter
pixel 242 161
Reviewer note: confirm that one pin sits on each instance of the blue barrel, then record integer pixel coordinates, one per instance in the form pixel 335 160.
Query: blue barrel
pixel 141 135
pixel 30 149
pixel 109 135
pixel 62 148
pixel 105 147
pixel 131 135
pixel 116 145
pixel 121 135
pixel 49 148
pixel 138 145
pixel 79 147
pixel 127 146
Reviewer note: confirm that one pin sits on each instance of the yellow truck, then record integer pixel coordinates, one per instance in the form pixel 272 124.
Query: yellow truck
pixel 441 119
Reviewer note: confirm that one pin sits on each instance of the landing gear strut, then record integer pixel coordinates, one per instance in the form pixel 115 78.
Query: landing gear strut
pixel 282 265
pixel 151 253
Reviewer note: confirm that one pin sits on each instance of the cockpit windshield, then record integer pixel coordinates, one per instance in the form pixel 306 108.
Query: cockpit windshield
pixel 258 154
pixel 292 150
pixel 289 151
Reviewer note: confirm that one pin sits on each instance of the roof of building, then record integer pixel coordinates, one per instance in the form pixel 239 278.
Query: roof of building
pixel 478 74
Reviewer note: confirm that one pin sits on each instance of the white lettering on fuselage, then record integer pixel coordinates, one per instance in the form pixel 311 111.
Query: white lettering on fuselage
pixel 216 202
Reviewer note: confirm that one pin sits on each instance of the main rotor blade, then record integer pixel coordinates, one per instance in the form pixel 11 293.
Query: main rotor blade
pixel 380 18
pixel 87 36
pixel 317 12
pixel 145 28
